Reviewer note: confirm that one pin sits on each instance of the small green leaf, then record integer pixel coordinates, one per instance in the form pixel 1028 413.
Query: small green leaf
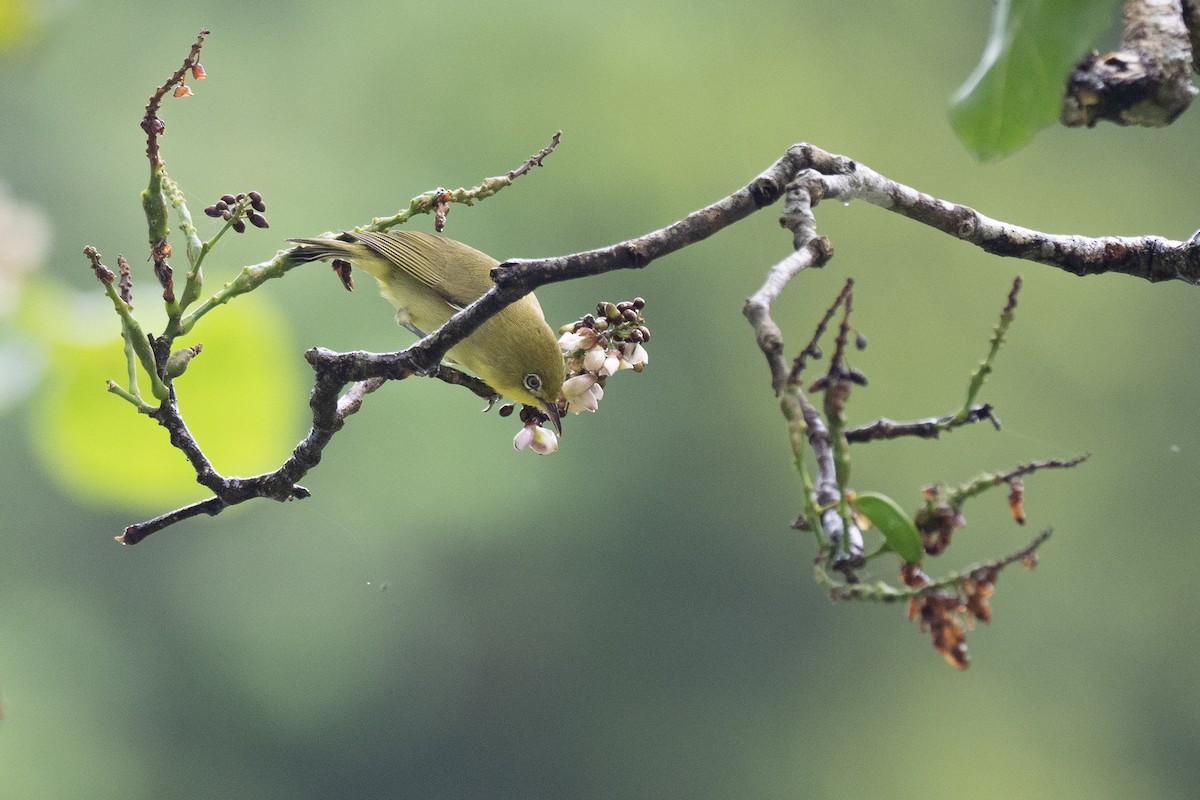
pixel 898 530
pixel 1018 85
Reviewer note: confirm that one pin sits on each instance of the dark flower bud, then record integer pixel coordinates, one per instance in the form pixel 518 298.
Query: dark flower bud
pixel 213 211
pixel 257 220
pixel 228 199
pixel 239 225
pixel 639 303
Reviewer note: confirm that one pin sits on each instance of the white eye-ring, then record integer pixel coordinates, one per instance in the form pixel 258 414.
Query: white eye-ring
pixel 533 382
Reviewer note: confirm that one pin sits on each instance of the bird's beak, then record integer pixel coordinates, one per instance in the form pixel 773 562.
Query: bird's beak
pixel 551 410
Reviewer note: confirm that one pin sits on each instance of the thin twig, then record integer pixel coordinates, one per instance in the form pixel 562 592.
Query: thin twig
pixel 151 124
pixel 930 428
pixel 886 593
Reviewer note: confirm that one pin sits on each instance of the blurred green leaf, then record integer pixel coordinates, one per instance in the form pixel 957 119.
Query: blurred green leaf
pixel 16 23
pixel 241 398
pixel 898 530
pixel 1017 87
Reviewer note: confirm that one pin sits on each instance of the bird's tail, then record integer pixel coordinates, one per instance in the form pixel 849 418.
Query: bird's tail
pixel 318 249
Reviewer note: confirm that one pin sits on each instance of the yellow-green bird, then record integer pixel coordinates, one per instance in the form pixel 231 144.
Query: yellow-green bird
pixel 428 278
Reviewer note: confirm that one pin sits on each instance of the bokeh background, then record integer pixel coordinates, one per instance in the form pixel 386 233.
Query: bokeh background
pixel 631 617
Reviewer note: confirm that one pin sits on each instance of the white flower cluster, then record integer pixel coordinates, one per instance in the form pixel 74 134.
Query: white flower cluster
pixel 595 347
pixel 590 359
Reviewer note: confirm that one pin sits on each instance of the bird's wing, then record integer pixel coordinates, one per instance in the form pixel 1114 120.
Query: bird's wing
pixel 429 259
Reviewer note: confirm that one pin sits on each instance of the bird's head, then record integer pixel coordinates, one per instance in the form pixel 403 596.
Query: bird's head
pixel 529 368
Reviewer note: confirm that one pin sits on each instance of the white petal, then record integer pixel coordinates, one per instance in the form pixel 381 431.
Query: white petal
pixel 636 355
pixel 612 363
pixel 593 360
pixel 545 441
pixel 524 438
pixel 580 393
pixel 570 341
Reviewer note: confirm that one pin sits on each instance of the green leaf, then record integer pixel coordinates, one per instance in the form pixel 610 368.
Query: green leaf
pixel 898 530
pixel 1018 86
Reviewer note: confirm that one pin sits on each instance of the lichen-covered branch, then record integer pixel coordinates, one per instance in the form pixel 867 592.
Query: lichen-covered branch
pixel 1148 80
pixel 1153 258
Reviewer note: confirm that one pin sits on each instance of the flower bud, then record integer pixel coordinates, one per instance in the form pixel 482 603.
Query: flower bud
pixel 177 362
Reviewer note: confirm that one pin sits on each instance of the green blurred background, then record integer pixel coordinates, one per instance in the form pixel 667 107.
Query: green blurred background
pixel 631 617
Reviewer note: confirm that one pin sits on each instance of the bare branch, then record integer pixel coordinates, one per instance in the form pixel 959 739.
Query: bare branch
pixel 1151 257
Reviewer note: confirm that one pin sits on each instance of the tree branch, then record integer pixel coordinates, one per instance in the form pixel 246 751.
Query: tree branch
pixel 805 174
pixel 1148 81
pixel 1151 257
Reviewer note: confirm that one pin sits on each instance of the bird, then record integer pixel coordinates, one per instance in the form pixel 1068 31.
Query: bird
pixel 428 278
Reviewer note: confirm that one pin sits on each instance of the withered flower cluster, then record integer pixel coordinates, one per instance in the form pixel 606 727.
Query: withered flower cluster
pixel 946 612
pixel 936 521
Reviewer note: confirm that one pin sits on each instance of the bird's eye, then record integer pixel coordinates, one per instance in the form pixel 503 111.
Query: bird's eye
pixel 533 381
